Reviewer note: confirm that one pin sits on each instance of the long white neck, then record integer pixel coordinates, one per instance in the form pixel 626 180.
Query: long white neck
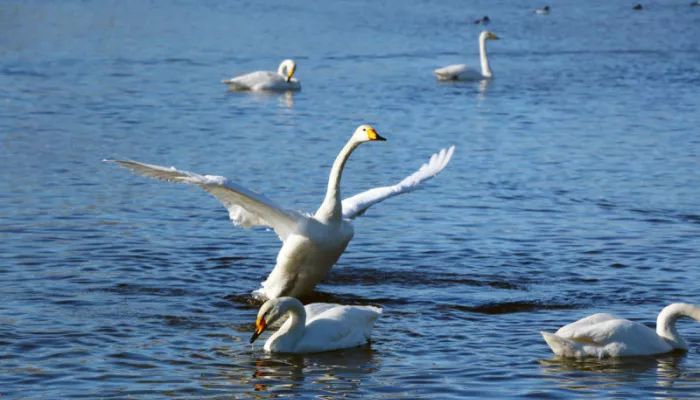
pixel 283 68
pixel 296 326
pixel 331 209
pixel 485 68
pixel 666 322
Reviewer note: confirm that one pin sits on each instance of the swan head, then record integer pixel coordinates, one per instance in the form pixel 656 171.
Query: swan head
pixel 486 35
pixel 365 133
pixel 286 69
pixel 269 313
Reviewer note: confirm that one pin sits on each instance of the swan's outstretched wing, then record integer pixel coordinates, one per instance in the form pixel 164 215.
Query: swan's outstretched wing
pixel 450 72
pixel 359 203
pixel 246 208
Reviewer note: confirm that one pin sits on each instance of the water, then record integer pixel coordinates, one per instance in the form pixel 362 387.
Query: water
pixel 574 189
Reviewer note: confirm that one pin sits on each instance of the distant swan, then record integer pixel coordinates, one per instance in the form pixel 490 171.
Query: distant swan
pixel 267 80
pixel 605 335
pixel 460 72
pixel 638 7
pixel 544 10
pixel 311 244
pixel 316 327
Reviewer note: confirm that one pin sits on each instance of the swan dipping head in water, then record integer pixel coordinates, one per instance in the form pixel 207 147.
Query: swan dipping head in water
pixel 606 335
pixel 281 80
pixel 315 328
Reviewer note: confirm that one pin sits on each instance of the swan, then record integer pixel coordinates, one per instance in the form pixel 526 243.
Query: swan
pixel 311 244
pixel 462 73
pixel 267 80
pixel 606 335
pixel 315 328
pixel 544 10
pixel 483 21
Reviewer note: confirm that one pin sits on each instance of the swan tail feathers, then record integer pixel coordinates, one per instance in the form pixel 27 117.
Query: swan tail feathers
pixel 561 346
pixel 234 85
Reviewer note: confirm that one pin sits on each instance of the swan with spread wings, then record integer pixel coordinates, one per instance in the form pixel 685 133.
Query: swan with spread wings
pixel 311 244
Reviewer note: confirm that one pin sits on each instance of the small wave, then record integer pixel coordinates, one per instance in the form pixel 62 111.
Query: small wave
pixel 368 276
pixel 510 307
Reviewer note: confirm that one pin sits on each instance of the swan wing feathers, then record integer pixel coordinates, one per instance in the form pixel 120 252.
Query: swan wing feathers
pixel 246 208
pixel 359 203
pixel 451 71
pixel 253 79
pixel 569 331
pixel 604 329
pixel 340 327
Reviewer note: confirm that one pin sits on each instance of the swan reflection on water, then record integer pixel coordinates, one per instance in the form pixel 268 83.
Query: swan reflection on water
pixel 339 372
pixel 589 373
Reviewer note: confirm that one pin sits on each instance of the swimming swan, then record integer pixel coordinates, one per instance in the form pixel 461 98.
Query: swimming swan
pixel 311 244
pixel 267 80
pixel 460 72
pixel 315 328
pixel 605 335
pixel 544 10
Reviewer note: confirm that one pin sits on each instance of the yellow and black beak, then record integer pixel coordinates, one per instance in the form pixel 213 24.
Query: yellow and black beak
pixel 373 135
pixel 260 326
pixel 290 72
pixel 493 37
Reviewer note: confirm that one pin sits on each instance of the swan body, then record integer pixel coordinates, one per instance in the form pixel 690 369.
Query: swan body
pixel 544 10
pixel 324 327
pixel 461 72
pixel 311 244
pixel 606 335
pixel 267 80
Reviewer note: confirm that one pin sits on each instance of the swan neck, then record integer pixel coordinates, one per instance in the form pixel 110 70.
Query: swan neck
pixel 666 322
pixel 297 315
pixel 282 69
pixel 332 208
pixel 485 67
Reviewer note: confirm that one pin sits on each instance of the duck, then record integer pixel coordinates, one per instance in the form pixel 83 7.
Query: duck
pixel 638 7
pixel 606 335
pixel 257 81
pixel 544 10
pixel 461 72
pixel 483 21
pixel 311 244
pixel 695 3
pixel 316 328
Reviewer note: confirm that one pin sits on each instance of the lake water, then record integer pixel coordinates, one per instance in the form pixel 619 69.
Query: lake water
pixel 574 189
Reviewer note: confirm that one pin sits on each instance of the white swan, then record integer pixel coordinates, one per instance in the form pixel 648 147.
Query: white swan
pixel 605 335
pixel 544 10
pixel 311 244
pixel 316 327
pixel 267 80
pixel 463 73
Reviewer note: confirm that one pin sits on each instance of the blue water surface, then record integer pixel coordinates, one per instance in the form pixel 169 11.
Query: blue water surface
pixel 574 189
